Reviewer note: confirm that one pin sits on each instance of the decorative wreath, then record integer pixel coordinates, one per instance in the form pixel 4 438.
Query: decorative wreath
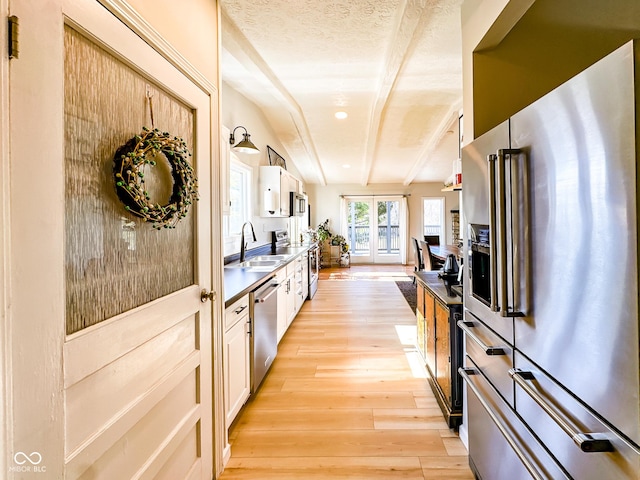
pixel 130 184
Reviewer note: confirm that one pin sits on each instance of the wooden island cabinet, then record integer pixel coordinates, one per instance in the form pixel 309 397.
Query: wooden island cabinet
pixel 440 343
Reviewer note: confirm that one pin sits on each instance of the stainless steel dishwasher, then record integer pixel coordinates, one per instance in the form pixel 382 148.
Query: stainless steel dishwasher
pixel 264 330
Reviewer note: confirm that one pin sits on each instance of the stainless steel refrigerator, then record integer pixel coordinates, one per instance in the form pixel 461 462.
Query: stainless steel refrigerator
pixel 551 290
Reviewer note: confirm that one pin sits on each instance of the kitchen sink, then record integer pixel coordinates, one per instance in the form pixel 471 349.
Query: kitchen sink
pixel 262 263
pixel 268 258
pixel 257 265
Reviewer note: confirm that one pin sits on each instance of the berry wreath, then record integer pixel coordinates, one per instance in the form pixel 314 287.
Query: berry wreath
pixel 128 162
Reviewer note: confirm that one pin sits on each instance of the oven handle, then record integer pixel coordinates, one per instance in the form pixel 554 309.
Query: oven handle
pixel 488 350
pixel 466 373
pixel 587 442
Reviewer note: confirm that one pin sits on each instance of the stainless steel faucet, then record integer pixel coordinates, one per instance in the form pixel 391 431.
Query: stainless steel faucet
pixel 243 245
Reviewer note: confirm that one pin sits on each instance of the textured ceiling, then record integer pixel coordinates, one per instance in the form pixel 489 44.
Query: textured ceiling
pixel 395 66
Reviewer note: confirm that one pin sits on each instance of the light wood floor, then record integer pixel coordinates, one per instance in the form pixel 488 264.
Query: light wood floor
pixel 347 396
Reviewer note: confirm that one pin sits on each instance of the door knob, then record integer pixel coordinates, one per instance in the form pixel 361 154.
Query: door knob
pixel 207 295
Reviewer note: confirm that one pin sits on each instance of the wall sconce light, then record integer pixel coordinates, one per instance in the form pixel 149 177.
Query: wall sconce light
pixel 245 145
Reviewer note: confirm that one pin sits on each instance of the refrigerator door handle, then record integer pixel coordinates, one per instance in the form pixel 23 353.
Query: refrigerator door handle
pixel 488 350
pixel 502 234
pixel 493 255
pixel 588 442
pixel 505 309
pixel 466 373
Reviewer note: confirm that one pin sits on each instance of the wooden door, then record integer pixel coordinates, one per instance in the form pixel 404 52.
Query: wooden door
pixel 106 383
pixel 443 350
pixel 420 319
pixel 430 329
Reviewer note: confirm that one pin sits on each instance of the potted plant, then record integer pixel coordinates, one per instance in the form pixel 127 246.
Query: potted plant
pixel 323 231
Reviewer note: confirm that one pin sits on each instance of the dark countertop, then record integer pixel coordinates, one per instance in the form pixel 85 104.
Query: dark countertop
pixel 436 285
pixel 240 281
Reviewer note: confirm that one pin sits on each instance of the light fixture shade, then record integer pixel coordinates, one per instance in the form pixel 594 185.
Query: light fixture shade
pixel 246 145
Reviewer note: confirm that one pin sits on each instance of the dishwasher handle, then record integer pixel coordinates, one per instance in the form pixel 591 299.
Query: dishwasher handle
pixel 264 294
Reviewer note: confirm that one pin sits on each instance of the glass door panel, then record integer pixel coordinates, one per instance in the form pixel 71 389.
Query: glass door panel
pixel 387 244
pixel 359 230
pixel 374 232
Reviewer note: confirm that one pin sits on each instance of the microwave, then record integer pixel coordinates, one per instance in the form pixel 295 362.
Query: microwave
pixel 298 204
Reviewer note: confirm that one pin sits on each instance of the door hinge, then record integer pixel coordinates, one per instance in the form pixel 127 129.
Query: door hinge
pixel 13 36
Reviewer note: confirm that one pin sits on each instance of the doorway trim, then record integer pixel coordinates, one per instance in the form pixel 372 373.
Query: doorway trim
pixel 6 433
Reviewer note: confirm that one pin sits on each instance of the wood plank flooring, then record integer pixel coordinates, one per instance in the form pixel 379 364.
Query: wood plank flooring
pixel 347 395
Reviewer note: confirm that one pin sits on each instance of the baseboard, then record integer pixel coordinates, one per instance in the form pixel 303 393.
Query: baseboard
pixel 226 454
pixel 463 433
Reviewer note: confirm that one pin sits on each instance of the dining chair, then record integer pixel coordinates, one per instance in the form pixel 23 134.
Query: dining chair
pixel 432 239
pixel 430 262
pixel 419 260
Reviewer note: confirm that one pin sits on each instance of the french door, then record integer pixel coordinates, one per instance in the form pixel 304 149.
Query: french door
pixel 376 229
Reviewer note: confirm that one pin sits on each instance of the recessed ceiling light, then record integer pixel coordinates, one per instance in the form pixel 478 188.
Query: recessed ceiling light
pixel 341 115
pixel 346 165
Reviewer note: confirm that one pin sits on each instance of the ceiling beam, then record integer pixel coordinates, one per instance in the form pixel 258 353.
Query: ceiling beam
pixel 401 46
pixel 443 127
pixel 239 47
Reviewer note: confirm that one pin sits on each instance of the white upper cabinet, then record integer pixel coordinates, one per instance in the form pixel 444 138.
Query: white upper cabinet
pixel 276 185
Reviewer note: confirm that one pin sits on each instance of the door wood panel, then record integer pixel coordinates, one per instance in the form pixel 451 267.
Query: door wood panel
pixel 443 349
pixel 114 389
pixel 430 331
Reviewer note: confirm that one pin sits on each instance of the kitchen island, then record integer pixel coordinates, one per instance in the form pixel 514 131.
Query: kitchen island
pixel 440 342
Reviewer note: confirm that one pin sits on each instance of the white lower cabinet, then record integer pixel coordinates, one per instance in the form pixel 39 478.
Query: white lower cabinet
pixel 237 367
pixel 281 278
pixel 291 292
pixel 305 279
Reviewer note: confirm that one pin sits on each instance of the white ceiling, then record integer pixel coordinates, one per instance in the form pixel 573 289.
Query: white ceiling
pixel 395 66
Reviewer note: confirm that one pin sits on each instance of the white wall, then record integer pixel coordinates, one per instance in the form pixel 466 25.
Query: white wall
pixel 236 110
pixel 325 203
pixel 198 42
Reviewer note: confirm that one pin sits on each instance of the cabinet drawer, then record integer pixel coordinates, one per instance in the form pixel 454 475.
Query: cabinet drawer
pixel 281 275
pixel 572 432
pixel 236 311
pixel 501 447
pixel 491 353
pixel 291 267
